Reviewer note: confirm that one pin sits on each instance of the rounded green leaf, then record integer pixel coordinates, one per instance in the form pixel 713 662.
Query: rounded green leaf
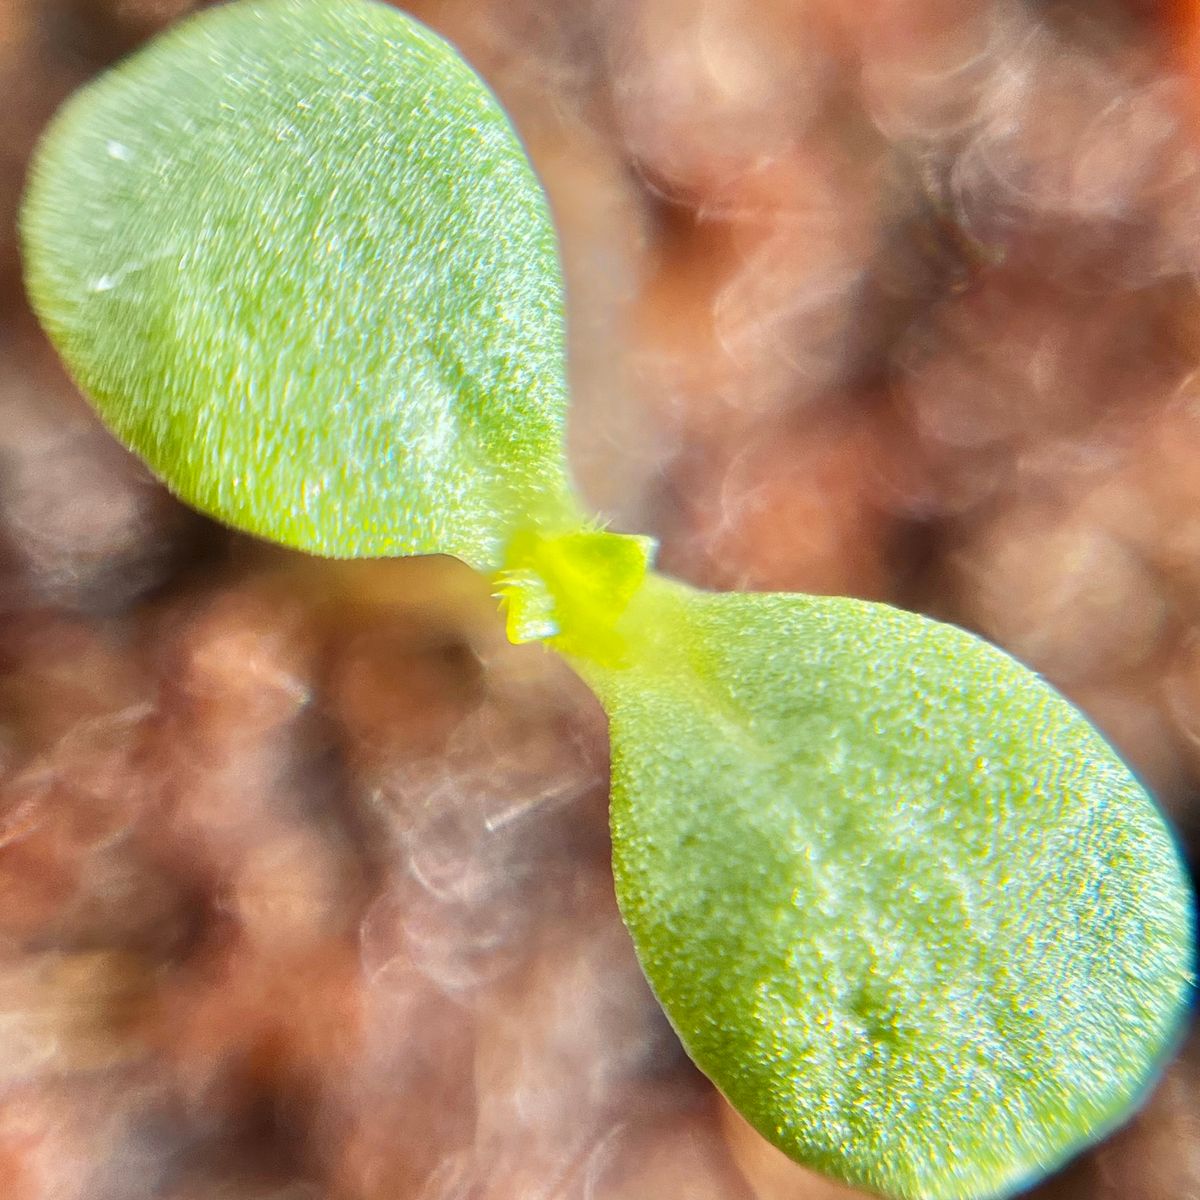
pixel 295 254
pixel 903 904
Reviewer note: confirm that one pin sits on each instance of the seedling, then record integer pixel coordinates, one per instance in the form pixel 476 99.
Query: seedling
pixel 903 905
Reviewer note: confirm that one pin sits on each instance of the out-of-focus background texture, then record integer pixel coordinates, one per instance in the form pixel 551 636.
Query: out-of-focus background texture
pixel 304 884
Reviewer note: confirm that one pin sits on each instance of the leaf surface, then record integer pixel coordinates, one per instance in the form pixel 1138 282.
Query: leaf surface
pixel 903 904
pixel 295 254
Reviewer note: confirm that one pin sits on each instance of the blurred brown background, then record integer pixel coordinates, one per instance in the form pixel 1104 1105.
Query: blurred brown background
pixel 304 890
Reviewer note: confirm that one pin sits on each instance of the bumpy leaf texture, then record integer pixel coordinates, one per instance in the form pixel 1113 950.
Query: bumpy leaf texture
pixel 900 900
pixel 903 905
pixel 297 257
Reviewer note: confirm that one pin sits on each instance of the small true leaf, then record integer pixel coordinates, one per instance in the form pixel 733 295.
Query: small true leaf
pixel 570 590
pixel 296 256
pixel 904 906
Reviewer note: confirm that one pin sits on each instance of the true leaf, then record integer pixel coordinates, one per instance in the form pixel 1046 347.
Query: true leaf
pixel 296 256
pixel 569 591
pixel 903 904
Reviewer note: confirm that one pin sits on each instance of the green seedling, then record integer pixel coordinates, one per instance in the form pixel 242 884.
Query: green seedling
pixel 909 912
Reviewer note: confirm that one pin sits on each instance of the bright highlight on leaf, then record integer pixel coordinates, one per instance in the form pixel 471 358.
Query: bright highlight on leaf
pixel 296 255
pixel 903 905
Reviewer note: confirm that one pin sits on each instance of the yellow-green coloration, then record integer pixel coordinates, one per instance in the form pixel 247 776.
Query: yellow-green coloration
pixel 297 257
pixel 904 906
pixel 569 590
pixel 902 903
